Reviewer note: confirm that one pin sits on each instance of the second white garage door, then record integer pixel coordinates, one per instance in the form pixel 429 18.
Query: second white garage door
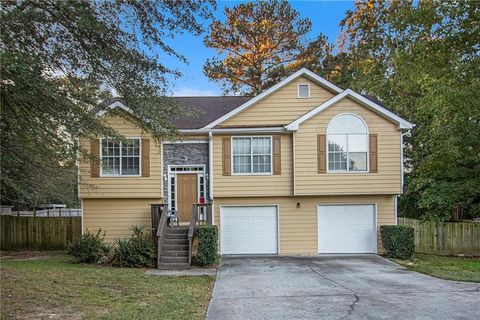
pixel 248 230
pixel 346 229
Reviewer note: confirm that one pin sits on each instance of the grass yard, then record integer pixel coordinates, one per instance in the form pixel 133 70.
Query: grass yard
pixel 450 268
pixel 54 287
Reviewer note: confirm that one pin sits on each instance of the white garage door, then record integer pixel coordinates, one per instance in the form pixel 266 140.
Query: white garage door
pixel 346 229
pixel 248 230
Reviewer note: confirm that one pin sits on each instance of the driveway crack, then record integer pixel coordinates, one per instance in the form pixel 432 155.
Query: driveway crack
pixel 333 281
pixel 352 306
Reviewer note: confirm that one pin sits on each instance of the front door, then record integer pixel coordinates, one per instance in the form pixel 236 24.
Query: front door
pixel 186 195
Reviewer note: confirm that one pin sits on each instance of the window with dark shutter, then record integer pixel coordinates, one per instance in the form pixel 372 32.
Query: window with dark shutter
pixel 120 158
pixel 226 156
pixel 373 160
pixel 145 157
pixel 322 153
pixel 277 155
pixel 94 164
pixel 347 142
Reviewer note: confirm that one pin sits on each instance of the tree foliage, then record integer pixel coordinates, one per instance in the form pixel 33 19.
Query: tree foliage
pixel 58 58
pixel 262 42
pixel 422 59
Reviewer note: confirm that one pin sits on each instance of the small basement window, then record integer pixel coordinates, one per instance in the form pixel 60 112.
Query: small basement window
pixel 303 91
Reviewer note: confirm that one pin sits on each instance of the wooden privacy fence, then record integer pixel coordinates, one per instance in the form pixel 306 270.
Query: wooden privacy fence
pixel 39 233
pixel 65 212
pixel 447 238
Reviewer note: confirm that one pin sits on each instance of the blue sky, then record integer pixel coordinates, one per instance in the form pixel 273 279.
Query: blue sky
pixel 325 17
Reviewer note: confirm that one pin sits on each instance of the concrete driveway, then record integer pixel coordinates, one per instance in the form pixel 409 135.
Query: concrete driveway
pixel 357 287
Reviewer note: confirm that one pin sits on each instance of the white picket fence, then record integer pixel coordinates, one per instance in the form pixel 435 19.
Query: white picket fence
pixel 60 212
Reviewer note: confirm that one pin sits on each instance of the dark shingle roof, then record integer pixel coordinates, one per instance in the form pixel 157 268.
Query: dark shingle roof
pixel 208 109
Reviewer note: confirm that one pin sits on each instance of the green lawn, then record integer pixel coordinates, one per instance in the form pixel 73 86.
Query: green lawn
pixel 450 268
pixel 55 287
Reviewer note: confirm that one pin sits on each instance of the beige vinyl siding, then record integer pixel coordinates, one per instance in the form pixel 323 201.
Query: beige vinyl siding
pixel 116 216
pixel 281 107
pixel 253 185
pixel 386 181
pixel 298 226
pixel 123 187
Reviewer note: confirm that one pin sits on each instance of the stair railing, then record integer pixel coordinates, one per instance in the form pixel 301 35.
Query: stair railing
pixel 191 232
pixel 160 211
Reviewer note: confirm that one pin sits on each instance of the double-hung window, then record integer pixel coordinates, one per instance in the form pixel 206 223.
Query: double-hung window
pixel 347 144
pixel 252 155
pixel 120 158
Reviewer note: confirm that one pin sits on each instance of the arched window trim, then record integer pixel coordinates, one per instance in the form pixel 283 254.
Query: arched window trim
pixel 367 145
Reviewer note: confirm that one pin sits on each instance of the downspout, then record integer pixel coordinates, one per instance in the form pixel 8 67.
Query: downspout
pixel 396 209
pixel 79 182
pixel 294 165
pixel 210 173
pixel 402 168
pixel 401 151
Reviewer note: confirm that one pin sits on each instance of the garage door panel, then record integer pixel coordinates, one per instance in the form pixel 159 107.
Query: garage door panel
pixel 248 230
pixel 346 228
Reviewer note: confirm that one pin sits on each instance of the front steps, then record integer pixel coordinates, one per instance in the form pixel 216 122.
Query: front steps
pixel 175 249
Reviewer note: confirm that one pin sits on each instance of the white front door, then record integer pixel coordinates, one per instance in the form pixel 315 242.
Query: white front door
pixel 346 228
pixel 248 230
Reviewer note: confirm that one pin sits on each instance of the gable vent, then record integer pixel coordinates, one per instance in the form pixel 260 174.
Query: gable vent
pixel 303 91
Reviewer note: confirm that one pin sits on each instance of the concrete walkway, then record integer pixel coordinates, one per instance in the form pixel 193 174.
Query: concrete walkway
pixel 362 287
pixel 182 273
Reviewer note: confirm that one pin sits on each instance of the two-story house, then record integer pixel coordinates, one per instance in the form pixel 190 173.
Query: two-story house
pixel 303 168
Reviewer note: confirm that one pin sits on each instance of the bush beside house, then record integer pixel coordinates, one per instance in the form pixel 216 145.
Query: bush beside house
pixel 399 241
pixel 137 252
pixel 89 248
pixel 141 249
pixel 205 246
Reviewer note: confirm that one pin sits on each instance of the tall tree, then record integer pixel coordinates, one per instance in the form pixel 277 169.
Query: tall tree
pixel 55 55
pixel 260 40
pixel 423 60
pixel 319 56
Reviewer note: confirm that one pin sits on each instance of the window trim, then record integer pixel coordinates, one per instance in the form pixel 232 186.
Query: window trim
pixel 298 90
pixel 347 171
pixel 103 175
pixel 251 173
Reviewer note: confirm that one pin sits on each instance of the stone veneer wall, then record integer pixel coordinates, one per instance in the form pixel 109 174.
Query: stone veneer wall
pixel 185 154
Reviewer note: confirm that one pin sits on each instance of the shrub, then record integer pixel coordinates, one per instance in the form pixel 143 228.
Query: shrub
pixel 138 251
pixel 399 241
pixel 206 246
pixel 89 248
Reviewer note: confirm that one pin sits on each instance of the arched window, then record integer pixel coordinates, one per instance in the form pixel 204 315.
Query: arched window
pixel 347 137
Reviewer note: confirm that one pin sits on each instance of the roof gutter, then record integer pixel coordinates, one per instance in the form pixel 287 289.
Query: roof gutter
pixel 236 130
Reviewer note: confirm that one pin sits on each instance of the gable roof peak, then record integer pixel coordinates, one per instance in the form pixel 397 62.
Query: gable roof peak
pixel 302 72
pixel 368 103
